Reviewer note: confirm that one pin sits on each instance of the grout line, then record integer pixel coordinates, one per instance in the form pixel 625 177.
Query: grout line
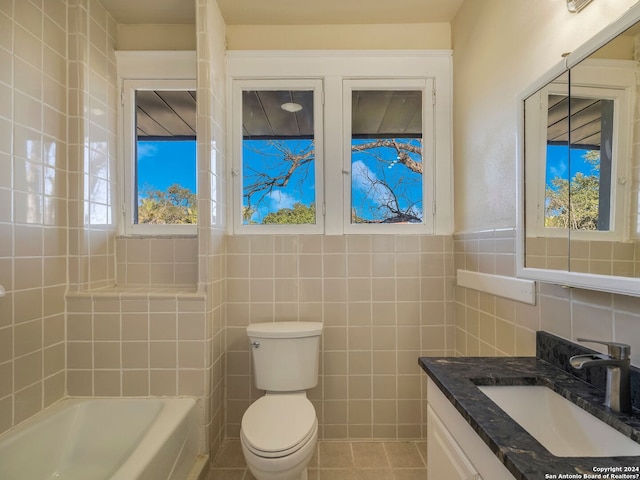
pixel 353 457
pixel 386 454
pixel 423 457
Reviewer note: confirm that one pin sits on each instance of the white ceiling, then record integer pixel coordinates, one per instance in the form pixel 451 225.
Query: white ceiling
pixel 288 12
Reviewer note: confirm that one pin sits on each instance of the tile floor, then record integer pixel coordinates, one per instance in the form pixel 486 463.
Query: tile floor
pixel 335 460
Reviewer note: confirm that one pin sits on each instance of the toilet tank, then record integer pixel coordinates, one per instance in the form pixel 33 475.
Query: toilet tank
pixel 285 355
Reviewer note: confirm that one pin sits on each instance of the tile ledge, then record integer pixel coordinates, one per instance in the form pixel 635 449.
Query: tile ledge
pixel 183 292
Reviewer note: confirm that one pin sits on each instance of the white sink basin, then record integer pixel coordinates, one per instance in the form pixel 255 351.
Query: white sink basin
pixel 560 426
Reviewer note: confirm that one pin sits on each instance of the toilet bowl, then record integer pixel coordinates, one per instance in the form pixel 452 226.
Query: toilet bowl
pixel 279 431
pixel 278 435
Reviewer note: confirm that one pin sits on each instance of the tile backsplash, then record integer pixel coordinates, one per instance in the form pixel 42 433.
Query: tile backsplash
pixel 385 300
pixel 490 325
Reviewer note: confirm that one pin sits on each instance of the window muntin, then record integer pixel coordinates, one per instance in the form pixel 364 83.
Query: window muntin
pixel 160 154
pixel 277 155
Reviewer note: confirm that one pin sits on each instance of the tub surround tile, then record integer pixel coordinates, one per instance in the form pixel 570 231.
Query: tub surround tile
pixel 133 343
pixel 525 458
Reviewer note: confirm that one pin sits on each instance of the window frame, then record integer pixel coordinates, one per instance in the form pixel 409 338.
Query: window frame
pixel 274 84
pixel 425 85
pixel 595 80
pixel 333 67
pixel 143 70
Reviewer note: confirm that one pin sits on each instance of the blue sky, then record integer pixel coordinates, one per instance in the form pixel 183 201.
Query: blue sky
pixel 157 169
pixel 380 164
pixel 262 156
pixel 558 164
pixel 366 170
pixel 157 164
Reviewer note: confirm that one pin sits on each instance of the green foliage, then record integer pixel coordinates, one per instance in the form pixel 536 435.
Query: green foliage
pixel 176 205
pixel 584 192
pixel 247 214
pixel 299 214
pixel 355 218
pixel 575 205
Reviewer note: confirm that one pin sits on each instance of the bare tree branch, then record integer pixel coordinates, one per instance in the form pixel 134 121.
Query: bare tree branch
pixel 287 163
pixel 402 150
pixel 265 184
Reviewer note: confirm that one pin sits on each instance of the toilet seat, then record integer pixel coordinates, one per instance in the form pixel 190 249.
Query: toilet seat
pixel 278 425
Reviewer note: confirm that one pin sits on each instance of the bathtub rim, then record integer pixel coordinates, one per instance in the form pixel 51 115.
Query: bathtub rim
pixel 199 469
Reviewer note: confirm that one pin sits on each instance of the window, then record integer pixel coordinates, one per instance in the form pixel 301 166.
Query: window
pixel 578 174
pixel 583 152
pixel 159 168
pixel 384 150
pixel 278 161
pixel 338 144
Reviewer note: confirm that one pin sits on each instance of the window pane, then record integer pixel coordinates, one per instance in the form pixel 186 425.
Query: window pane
pixel 278 157
pixel 578 181
pixel 386 157
pixel 165 157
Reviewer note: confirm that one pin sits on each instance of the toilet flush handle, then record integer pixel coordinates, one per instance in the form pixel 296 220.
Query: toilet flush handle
pixel 255 344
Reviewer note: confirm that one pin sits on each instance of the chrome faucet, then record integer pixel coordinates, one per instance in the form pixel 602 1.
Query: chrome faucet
pixel 618 395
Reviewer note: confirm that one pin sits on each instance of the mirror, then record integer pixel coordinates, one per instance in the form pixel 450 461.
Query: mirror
pixel 546 170
pixel 579 218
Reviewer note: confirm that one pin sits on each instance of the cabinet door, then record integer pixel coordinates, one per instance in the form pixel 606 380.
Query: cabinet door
pixel 445 459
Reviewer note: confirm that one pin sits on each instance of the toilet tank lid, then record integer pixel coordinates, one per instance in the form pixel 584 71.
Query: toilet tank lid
pixel 284 329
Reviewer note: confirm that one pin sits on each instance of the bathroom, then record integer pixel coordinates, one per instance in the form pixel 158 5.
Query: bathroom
pixel 67 330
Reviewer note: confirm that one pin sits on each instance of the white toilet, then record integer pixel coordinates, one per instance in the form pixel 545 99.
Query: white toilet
pixel 279 431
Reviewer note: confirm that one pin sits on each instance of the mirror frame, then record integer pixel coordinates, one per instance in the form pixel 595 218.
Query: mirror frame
pixel 606 283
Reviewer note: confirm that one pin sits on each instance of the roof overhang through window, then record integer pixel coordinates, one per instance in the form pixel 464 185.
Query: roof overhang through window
pixel 165 115
pixel 375 114
pixel 584 120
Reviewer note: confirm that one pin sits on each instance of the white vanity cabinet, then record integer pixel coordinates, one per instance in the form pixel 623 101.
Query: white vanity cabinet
pixel 446 458
pixel 454 450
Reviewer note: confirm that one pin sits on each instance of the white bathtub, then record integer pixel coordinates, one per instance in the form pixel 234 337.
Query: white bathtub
pixel 106 439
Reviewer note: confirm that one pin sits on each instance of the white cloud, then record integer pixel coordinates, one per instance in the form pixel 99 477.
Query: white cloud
pixel 279 200
pixel 364 180
pixel 558 171
pixel 146 150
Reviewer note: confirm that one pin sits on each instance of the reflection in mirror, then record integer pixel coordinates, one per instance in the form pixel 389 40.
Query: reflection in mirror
pixel 601 121
pixel 547 174
pixel 579 215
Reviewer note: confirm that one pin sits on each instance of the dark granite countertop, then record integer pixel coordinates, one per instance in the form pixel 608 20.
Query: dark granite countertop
pixel 523 456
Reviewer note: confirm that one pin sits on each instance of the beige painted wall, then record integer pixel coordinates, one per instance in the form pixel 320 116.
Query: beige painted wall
pixel 430 36
pixel 156 37
pixel 500 47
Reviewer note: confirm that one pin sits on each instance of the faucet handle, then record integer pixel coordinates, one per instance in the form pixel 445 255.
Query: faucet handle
pixel 619 351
